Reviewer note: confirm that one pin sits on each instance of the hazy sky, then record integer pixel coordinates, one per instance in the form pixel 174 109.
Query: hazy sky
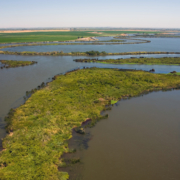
pixel 90 13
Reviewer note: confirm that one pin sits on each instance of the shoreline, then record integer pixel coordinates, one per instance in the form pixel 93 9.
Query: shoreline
pixel 135 60
pixel 75 42
pixel 43 150
pixel 15 63
pixel 87 39
pixel 87 53
pixel 79 144
pixel 98 104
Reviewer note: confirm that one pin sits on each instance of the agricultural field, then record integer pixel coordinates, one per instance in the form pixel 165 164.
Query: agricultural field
pixel 43 36
pixel 55 36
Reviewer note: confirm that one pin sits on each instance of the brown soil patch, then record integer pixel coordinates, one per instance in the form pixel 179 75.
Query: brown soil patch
pixel 96 32
pixel 87 39
pixel 123 34
pixel 101 99
pixel 11 133
pixel 168 33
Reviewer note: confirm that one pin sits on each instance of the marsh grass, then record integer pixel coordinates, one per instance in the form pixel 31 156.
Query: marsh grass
pixel 112 33
pixel 15 63
pixel 40 128
pixel 148 61
pixel 158 35
pixel 110 42
pixel 177 73
pixel 87 53
pixel 113 102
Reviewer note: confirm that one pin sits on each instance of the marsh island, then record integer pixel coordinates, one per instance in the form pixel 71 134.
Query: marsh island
pixel 39 129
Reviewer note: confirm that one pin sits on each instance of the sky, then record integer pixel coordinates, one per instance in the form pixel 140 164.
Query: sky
pixel 90 13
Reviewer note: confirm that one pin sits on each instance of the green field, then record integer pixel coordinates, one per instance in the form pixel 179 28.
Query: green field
pixel 148 61
pixel 40 128
pixel 43 36
pixel 53 36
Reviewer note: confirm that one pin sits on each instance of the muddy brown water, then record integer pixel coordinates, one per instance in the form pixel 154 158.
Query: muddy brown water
pixel 139 141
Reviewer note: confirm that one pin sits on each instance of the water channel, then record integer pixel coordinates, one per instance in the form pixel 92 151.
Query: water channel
pixel 157 44
pixel 139 140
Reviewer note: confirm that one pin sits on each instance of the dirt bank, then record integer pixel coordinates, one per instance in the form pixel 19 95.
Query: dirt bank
pixel 87 39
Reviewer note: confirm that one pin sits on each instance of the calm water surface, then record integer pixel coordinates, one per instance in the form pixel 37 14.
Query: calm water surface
pixel 139 141
pixel 14 82
pixel 157 44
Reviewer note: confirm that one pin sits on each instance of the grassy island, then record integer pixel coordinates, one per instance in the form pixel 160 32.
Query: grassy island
pixel 157 35
pixel 14 63
pixel 39 129
pixel 141 60
pixel 87 53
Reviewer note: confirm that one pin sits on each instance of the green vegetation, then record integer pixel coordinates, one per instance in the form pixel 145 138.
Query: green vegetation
pixel 87 53
pixel 113 102
pixel 175 73
pixel 14 63
pixel 138 41
pixel 178 73
pixel 54 36
pixel 43 36
pixel 108 33
pixel 95 53
pixel 157 35
pixel 110 42
pixel 113 40
pixel 142 60
pixel 39 129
